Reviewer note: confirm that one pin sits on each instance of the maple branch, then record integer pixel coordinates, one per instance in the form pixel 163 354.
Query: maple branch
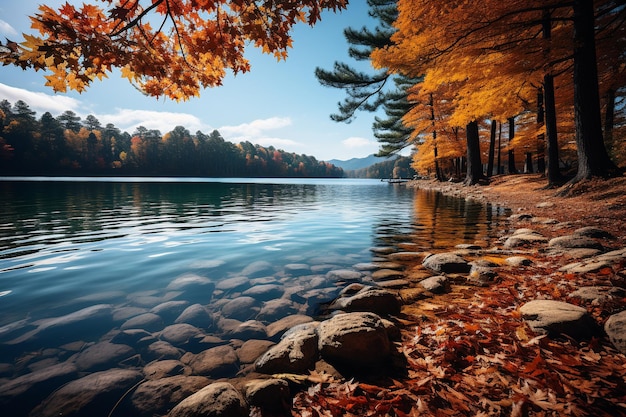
pixel 122 6
pixel 136 20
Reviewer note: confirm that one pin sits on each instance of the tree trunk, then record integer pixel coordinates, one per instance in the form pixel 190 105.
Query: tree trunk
pixel 474 164
pixel 541 138
pixel 512 168
pixel 528 165
pixel 492 150
pixel 500 169
pixel 593 159
pixel 609 119
pixel 553 172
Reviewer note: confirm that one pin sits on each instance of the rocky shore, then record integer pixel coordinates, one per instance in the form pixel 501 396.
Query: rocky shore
pixel 380 320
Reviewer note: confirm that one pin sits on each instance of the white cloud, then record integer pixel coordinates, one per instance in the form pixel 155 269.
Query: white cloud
pixel 129 120
pixel 39 102
pixel 7 29
pixel 254 129
pixel 358 142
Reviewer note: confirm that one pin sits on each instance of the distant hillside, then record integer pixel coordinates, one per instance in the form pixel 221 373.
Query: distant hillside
pixel 356 163
pixel 399 167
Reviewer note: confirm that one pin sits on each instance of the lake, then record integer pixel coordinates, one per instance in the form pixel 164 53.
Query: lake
pixel 145 247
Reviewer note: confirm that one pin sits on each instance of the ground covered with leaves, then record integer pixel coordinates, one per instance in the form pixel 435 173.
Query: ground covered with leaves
pixel 469 353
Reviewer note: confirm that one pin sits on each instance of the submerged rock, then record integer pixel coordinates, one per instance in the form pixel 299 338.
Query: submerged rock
pixel 156 397
pixel 615 328
pixel 219 399
pixel 295 353
pixel 94 395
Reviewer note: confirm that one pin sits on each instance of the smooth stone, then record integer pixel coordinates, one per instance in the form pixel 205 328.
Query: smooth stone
pixel 127 312
pixel 270 395
pixel 189 281
pixel 374 300
pixel 276 329
pixel 197 315
pixel 169 310
pixel 101 356
pixel 156 397
pixel 164 368
pixel 517 261
pixel 219 399
pixel 482 275
pixel 344 275
pixel 598 295
pixel 446 263
pixel 557 317
pixel 147 321
pixel 241 308
pixel 382 250
pixel 19 395
pixel 295 353
pixel 217 362
pixel 468 246
pixel 233 284
pixel 94 395
pixel 132 337
pixel 526 231
pixel 258 268
pixel 356 340
pixel 393 284
pixel 574 242
pixel 437 284
pixel 582 253
pixel 518 240
pixel 180 334
pixel 615 328
pixel 406 256
pixel 252 349
pixel 388 265
pixel 367 266
pixel 87 322
pixel 585 267
pixel 227 326
pixel 595 232
pixel 297 268
pixel 264 292
pixel 386 274
pixel 162 350
pixel 273 310
pixel 251 329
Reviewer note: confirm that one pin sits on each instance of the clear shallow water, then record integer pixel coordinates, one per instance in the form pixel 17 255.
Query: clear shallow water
pixel 90 270
pixel 63 243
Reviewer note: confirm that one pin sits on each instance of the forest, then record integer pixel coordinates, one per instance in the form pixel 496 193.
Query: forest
pixel 66 145
pixel 492 88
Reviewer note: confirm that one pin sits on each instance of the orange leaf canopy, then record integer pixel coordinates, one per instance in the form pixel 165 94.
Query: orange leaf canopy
pixel 164 47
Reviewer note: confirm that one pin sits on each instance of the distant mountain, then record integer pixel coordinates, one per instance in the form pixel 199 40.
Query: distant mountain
pixel 356 163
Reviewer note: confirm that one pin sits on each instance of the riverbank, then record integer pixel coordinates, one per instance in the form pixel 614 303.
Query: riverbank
pixel 523 332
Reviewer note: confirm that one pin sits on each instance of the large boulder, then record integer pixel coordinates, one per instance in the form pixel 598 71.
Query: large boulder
pixel 354 340
pixel 94 395
pixel 270 395
pixel 295 353
pixel 219 399
pixel 557 317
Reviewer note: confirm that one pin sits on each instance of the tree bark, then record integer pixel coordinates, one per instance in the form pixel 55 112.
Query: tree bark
pixel 553 172
pixel 593 159
pixel 492 150
pixel 474 164
pixel 609 118
pixel 512 167
pixel 541 138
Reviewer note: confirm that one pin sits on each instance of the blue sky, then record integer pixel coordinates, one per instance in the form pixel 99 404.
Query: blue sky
pixel 277 103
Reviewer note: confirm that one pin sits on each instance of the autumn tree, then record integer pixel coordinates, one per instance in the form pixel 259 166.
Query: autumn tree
pixel 499 55
pixel 167 48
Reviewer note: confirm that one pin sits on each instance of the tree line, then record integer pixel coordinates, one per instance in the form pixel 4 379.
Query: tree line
pixel 399 167
pixel 68 145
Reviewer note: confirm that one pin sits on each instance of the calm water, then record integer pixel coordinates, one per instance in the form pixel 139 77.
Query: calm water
pixel 67 244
